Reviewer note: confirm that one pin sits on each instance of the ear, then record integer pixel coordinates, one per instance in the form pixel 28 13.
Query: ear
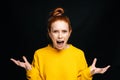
pixel 49 34
pixel 70 32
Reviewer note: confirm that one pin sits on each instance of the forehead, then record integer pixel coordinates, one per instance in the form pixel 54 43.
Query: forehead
pixel 59 25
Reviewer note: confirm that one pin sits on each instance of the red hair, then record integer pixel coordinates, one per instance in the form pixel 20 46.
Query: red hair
pixel 56 15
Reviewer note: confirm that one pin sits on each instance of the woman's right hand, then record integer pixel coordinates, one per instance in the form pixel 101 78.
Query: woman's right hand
pixel 26 65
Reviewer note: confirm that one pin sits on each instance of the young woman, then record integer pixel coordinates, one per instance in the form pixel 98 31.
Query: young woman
pixel 59 60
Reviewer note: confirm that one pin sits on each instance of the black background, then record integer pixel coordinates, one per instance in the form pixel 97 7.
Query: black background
pixel 95 26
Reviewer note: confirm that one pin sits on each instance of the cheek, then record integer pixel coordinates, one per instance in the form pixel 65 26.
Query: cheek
pixel 67 35
pixel 52 36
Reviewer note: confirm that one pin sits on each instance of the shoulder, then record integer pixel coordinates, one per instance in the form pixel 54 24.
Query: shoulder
pixel 41 50
pixel 76 49
pixel 79 53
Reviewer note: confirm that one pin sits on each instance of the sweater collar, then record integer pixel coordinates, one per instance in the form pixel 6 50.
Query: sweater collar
pixel 53 49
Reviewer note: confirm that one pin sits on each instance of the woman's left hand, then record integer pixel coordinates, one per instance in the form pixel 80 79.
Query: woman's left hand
pixel 95 70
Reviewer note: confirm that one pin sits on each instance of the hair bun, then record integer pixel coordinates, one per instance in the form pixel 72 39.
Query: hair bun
pixel 58 12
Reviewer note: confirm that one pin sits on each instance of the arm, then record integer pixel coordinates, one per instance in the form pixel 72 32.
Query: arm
pixel 32 71
pixel 36 72
pixel 84 71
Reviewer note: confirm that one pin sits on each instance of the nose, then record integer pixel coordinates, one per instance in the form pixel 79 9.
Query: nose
pixel 60 35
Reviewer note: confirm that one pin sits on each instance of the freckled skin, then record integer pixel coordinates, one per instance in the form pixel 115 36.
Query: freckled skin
pixel 60 32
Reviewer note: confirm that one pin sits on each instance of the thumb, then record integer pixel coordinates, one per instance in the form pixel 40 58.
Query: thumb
pixel 94 62
pixel 25 59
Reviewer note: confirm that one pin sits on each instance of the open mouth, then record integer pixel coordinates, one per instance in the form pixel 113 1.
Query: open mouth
pixel 60 43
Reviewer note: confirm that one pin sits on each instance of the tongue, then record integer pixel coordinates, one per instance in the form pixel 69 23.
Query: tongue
pixel 60 44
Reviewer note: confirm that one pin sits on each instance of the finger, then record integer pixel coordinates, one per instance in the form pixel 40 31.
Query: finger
pixel 107 67
pixel 25 59
pixel 19 63
pixel 94 61
pixel 15 61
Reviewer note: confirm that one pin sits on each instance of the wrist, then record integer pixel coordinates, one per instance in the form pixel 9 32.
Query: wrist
pixel 92 70
pixel 28 68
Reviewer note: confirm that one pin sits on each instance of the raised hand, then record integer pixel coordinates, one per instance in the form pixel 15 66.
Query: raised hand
pixel 26 65
pixel 95 70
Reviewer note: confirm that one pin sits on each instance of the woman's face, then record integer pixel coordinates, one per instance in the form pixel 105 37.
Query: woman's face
pixel 59 34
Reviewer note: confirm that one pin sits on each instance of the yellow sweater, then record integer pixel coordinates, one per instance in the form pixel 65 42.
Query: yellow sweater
pixel 51 64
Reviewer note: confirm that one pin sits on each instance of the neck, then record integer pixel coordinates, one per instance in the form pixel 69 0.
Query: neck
pixel 66 46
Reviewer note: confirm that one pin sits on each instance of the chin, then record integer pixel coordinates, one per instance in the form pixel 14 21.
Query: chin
pixel 60 48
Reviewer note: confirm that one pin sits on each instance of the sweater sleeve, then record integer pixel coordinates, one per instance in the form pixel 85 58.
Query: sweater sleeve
pixel 84 70
pixel 34 73
pixel 85 74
